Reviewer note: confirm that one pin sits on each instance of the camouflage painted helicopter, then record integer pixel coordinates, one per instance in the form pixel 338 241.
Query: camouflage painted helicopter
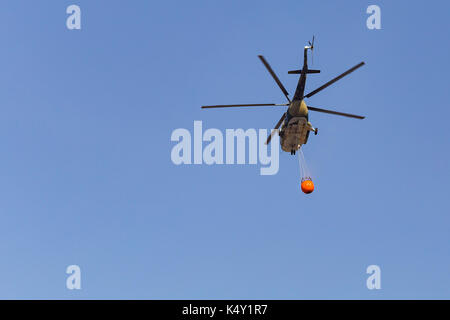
pixel 296 128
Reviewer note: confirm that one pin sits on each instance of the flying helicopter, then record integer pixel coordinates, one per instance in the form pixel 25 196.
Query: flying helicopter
pixel 295 125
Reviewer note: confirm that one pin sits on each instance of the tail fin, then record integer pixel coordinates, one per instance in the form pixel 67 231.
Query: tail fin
pixel 300 71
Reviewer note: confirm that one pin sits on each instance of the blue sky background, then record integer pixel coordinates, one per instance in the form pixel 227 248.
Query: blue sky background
pixel 86 175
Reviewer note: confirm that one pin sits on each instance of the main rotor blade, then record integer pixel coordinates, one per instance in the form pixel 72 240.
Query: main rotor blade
pixel 329 83
pixel 263 60
pixel 244 105
pixel 336 113
pixel 276 128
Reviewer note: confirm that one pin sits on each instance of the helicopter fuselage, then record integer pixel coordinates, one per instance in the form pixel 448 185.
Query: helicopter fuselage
pixel 296 127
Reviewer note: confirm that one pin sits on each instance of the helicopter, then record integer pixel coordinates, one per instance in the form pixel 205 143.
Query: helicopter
pixel 295 125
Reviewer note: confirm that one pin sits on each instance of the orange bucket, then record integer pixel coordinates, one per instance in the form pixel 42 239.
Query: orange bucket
pixel 307 185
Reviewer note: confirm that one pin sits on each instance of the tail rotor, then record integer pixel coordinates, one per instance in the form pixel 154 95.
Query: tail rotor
pixel 311 46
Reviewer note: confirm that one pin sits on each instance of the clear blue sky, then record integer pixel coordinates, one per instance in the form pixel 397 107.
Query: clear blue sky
pixel 86 176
